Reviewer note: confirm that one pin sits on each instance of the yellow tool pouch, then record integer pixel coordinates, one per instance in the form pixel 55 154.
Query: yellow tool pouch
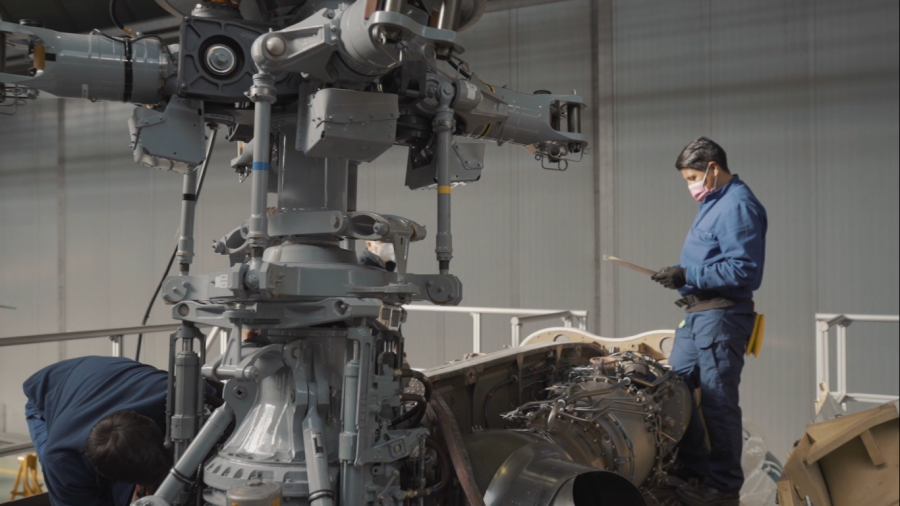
pixel 757 336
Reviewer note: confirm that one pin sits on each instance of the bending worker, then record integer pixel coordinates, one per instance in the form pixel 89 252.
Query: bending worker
pixel 97 425
pixel 721 266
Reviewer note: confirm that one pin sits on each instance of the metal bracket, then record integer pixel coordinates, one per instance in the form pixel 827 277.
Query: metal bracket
pixel 399 445
pixel 256 366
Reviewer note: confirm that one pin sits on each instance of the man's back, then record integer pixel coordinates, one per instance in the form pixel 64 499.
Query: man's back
pixel 72 396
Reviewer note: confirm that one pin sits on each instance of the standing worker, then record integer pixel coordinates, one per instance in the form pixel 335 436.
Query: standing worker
pixel 721 266
pixel 379 254
pixel 97 425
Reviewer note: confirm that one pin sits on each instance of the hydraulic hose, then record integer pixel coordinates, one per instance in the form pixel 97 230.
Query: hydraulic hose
pixel 458 454
pixel 445 473
pixel 418 413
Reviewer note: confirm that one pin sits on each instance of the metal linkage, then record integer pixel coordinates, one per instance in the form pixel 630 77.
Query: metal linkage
pixel 185 253
pixel 444 126
pixel 185 389
pixel 263 94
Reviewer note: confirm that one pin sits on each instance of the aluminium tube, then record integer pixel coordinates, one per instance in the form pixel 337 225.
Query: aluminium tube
pixel 450 13
pixel 395 6
pixel 574 115
pixel 186 236
pixel 264 95
pixel 352 192
pixel 444 125
pixel 320 492
pixel 187 465
pixel 184 416
pixel 349 431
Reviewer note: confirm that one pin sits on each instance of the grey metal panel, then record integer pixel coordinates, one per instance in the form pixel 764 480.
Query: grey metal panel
pixel 661 52
pixel 856 107
pixel 803 95
pixel 27 249
pixel 760 98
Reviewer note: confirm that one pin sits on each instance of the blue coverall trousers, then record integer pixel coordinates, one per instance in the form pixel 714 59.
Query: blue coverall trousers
pixel 709 354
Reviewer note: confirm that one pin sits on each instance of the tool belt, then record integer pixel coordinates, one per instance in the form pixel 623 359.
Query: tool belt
pixel 708 301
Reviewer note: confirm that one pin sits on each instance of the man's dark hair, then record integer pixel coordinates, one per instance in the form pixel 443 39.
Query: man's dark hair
pixel 699 153
pixel 127 447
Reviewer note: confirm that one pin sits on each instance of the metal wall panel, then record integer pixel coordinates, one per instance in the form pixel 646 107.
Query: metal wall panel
pixel 523 236
pixel 28 219
pixel 803 96
pixel 857 98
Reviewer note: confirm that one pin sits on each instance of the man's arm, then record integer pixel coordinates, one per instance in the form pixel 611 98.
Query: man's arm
pixel 741 237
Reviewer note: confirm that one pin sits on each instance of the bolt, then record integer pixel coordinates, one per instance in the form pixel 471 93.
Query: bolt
pixel 276 46
pixel 220 59
pixel 398 449
pixel 329 14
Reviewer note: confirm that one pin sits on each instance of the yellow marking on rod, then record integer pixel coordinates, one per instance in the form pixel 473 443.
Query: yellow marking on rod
pixel 445 189
pixel 40 57
pixel 487 130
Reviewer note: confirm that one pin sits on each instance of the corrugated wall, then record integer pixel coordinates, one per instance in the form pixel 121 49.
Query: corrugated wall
pixel 803 95
pixel 522 236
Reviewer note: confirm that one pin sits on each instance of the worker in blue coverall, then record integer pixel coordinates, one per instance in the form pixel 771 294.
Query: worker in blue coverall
pixel 721 266
pixel 97 425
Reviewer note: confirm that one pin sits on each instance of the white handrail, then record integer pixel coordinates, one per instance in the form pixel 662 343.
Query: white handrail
pixel 519 317
pixel 824 324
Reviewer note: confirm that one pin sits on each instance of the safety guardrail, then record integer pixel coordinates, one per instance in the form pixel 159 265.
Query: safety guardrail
pixel 115 336
pixel 520 317
pixel 824 324
pixel 16 449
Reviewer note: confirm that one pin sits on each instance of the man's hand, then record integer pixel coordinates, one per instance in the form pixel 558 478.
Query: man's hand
pixel 671 277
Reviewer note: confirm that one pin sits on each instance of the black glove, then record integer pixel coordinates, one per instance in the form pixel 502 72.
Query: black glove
pixel 671 277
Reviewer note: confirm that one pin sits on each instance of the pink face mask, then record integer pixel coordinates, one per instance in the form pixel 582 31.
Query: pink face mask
pixel 699 190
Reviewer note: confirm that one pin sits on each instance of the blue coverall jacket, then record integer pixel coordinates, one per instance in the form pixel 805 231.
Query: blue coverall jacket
pixel 66 400
pixel 724 255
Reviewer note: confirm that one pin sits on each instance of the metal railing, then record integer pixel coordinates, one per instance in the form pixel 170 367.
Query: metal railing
pixel 16 449
pixel 115 336
pixel 519 318
pixel 840 322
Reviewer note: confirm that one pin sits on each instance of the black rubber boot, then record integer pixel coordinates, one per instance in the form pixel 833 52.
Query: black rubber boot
pixel 698 495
